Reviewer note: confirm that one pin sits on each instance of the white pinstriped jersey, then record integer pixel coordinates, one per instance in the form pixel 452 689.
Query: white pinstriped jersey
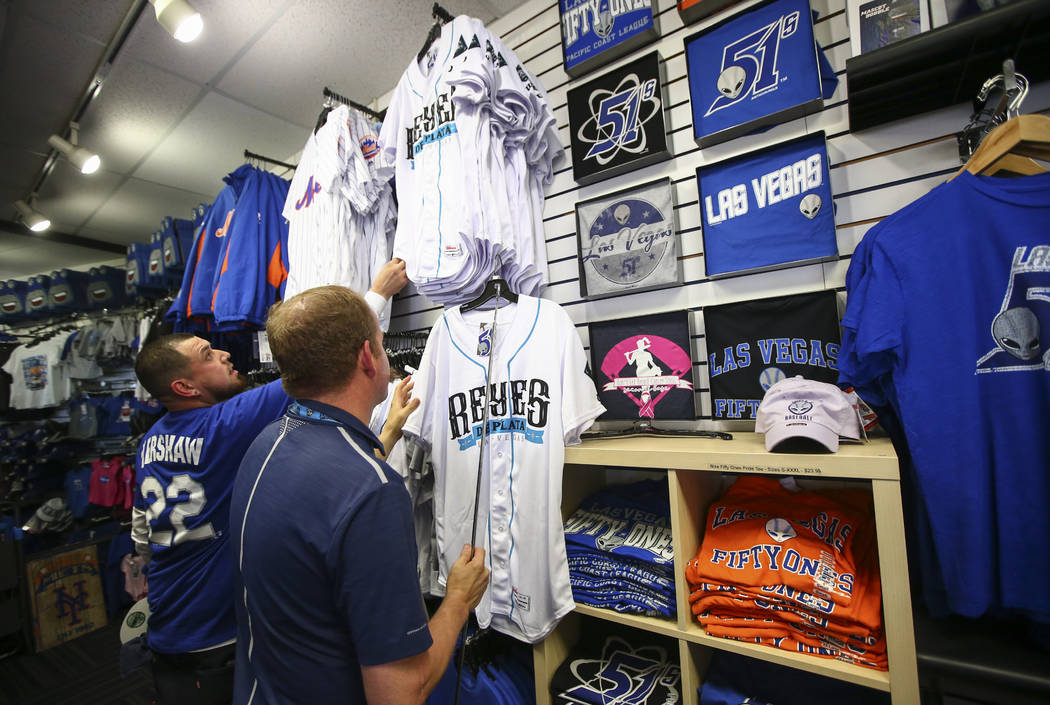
pixel 340 207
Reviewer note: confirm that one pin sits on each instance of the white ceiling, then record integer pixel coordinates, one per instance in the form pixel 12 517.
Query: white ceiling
pixel 172 119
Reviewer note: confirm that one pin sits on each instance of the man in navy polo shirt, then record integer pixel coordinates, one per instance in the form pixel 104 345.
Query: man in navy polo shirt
pixel 328 601
pixel 187 462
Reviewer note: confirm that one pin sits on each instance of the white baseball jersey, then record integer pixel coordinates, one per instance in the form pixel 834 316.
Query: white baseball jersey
pixel 540 400
pixel 456 123
pixel 340 207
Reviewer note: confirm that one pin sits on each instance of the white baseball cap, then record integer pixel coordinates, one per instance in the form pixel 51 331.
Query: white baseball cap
pixel 803 408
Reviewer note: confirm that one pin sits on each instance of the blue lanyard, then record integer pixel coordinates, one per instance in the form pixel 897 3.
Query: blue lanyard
pixel 305 412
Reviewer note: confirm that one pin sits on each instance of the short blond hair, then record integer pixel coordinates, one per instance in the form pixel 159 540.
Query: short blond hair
pixel 316 337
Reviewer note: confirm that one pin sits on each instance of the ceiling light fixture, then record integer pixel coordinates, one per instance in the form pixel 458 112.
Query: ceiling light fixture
pixel 87 161
pixel 33 219
pixel 179 18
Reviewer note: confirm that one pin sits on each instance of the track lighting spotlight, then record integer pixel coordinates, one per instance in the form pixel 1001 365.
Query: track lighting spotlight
pixel 88 162
pixel 179 18
pixel 33 219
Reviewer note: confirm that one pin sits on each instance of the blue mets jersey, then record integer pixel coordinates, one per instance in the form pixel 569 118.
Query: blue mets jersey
pixel 187 463
pixel 252 270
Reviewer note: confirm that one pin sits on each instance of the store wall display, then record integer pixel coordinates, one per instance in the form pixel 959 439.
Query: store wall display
pixel 768 209
pixel 12 300
pixel 878 23
pixel 752 345
pixel 756 68
pixel 68 290
pixel 66 594
pixel 643 367
pixel 616 121
pixel 37 302
pixel 106 287
pixel 628 241
pixel 595 33
pixel 695 10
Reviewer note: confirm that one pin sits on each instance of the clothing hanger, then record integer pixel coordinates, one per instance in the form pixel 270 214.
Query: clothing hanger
pixel 441 17
pixel 496 287
pixel 1021 137
pixel 326 108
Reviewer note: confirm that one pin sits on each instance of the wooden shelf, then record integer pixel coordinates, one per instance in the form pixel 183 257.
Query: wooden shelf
pixel 803 662
pixel 658 625
pixel 746 453
pixel 695 468
pixel 695 634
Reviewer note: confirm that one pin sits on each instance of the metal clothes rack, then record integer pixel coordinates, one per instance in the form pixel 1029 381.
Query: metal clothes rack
pixel 329 94
pixel 268 160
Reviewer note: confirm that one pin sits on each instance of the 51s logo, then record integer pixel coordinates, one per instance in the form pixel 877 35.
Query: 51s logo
pixel 618 118
pixel 749 65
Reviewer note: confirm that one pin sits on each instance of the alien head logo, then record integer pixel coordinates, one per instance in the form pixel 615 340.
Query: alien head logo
pixel 731 82
pixel 780 530
pixel 1016 330
pixel 810 206
pixel 770 376
pixel 603 23
pixel 609 541
pixel 622 213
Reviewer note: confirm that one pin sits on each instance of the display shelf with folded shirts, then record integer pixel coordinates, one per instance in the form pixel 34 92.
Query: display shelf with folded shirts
pixel 696 470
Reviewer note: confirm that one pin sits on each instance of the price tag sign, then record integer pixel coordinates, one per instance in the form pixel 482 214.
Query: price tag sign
pixel 265 356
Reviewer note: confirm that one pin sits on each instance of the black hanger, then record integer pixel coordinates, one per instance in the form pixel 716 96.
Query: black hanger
pixel 432 35
pixel 496 287
pixel 442 16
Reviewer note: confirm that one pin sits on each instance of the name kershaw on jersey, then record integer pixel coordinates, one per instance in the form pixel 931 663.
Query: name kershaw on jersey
pixel 771 188
pixel 518 407
pixel 169 448
pixel 587 15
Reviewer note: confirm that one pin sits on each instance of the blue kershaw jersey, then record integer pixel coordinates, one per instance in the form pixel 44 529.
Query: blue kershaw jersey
pixel 187 464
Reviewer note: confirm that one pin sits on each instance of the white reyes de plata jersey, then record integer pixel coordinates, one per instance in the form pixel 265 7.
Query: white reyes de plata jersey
pixel 540 400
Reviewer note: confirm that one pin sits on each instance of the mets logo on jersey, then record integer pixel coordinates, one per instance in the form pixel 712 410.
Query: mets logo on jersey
pixel 312 187
pixel 1020 329
pixel 628 241
pixel 645 368
pixel 369 146
pixel 618 118
pixel 749 64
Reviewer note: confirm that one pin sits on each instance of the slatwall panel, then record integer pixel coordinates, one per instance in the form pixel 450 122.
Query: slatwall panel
pixel 873 174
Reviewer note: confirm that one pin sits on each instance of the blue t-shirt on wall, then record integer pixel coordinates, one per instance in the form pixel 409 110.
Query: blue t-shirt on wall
pixel 948 321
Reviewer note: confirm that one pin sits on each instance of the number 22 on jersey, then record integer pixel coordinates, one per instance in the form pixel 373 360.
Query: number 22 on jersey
pixel 190 505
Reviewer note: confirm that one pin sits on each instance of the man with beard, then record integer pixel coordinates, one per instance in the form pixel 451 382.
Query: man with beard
pixel 186 466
